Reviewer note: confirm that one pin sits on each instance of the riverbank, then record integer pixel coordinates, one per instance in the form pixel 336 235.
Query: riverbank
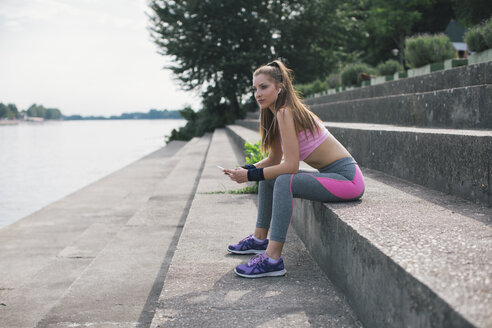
pixel 8 122
pixel 43 162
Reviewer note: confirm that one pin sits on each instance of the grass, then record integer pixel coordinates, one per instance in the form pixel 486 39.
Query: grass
pixel 246 190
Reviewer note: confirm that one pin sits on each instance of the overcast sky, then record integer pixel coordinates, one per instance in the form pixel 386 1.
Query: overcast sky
pixel 88 57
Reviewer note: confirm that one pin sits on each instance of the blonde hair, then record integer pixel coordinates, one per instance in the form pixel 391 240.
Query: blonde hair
pixel 288 98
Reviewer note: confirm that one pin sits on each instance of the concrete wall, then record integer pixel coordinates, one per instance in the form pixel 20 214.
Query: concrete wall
pixel 456 164
pixel 464 107
pixel 471 75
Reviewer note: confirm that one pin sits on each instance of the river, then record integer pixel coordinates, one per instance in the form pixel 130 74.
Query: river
pixel 43 162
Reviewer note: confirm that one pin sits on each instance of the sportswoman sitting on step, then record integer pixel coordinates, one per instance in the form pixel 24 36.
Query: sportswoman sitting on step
pixel 289 130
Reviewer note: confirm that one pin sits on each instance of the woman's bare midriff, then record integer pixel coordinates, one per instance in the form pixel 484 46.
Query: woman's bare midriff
pixel 328 152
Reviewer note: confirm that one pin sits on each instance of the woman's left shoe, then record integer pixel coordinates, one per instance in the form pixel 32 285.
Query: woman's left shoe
pixel 260 266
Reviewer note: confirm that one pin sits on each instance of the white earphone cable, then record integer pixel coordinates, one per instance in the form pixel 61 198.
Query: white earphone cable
pixel 268 131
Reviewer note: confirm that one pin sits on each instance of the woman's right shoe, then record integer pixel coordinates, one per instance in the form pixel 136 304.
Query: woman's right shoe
pixel 248 245
pixel 260 266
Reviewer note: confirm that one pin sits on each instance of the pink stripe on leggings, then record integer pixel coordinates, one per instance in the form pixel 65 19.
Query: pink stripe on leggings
pixel 344 189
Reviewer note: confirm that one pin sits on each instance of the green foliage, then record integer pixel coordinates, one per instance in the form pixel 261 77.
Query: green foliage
pixel 46 113
pixel 246 190
pixel 472 12
pixel 311 88
pixel 479 38
pixel 252 153
pixel 9 111
pixel 350 75
pixel 334 81
pixel 487 33
pixel 215 114
pixel 427 49
pixel 389 67
pixel 387 24
pixel 474 39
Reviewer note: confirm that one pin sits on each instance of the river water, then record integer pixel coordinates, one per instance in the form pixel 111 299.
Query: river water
pixel 43 162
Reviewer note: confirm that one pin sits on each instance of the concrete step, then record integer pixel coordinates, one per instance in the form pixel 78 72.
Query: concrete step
pixel 405 255
pixel 460 77
pixel 458 162
pixel 44 253
pixel 121 285
pixel 201 289
pixel 464 107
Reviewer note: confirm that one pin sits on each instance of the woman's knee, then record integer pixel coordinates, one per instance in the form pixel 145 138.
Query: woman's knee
pixel 283 180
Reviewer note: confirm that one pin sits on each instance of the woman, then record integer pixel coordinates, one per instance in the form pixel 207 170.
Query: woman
pixel 289 130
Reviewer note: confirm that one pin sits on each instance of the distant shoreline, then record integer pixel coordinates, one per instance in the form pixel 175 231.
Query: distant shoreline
pixel 8 122
pixel 16 122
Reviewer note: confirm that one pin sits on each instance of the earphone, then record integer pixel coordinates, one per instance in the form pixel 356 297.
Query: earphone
pixel 280 89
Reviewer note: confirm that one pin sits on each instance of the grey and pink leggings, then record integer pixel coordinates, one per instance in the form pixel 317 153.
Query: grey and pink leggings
pixel 342 180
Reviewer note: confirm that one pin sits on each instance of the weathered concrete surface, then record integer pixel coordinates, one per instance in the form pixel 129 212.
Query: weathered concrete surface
pixel 405 256
pixel 201 289
pixel 402 260
pixel 466 107
pixel 459 77
pixel 95 257
pixel 458 162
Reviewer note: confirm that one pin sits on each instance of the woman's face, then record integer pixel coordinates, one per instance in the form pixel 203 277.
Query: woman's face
pixel 265 90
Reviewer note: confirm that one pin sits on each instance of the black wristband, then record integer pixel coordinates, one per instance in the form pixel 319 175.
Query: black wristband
pixel 249 166
pixel 255 174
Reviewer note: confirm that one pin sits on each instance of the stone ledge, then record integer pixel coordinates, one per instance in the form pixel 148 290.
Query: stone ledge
pixel 454 161
pixel 465 107
pixel 458 77
pixel 404 255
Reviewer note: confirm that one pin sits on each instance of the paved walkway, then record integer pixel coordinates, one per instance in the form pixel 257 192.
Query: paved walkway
pixel 146 246
pixel 201 289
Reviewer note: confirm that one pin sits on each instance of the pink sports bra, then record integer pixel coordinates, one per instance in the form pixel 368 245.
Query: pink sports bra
pixel 308 143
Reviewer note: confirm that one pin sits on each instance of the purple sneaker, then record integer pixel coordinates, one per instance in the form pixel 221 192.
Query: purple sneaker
pixel 259 266
pixel 248 245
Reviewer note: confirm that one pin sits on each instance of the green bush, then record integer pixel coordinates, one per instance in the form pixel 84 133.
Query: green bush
pixel 333 81
pixel 350 75
pixel 312 88
pixel 252 153
pixel 389 67
pixel 425 49
pixel 487 33
pixel 474 39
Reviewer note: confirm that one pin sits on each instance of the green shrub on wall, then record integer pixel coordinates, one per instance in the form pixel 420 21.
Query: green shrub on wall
pixel 350 75
pixel 389 67
pixel 479 37
pixel 427 49
pixel 309 89
pixel 333 81
pixel 487 33
pixel 474 39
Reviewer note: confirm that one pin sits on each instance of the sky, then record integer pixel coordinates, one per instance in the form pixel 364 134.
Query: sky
pixel 86 57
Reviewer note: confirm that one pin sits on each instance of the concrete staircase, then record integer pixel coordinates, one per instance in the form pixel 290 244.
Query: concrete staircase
pixel 416 251
pixel 146 246
pixel 98 257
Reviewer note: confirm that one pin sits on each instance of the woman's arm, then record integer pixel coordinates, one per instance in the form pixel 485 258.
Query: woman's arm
pixel 275 168
pixel 287 129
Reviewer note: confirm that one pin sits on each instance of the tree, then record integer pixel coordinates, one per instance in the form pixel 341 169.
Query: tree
pixel 52 114
pixel 3 110
pixel 472 12
pixel 324 35
pixel 387 25
pixel 216 44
